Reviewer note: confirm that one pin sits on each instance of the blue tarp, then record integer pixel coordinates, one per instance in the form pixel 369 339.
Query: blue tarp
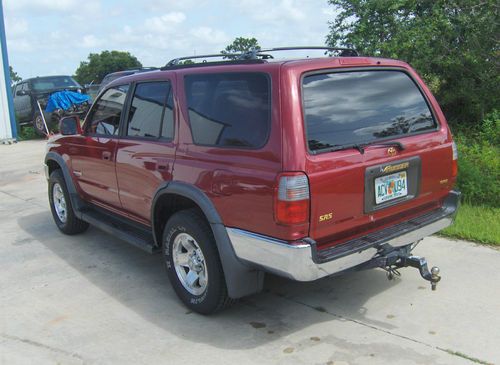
pixel 64 100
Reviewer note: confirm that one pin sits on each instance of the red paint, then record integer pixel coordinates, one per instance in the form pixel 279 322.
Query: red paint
pixel 242 183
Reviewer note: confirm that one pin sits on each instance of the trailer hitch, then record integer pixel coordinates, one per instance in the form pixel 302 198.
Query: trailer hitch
pixel 421 264
pixel 391 260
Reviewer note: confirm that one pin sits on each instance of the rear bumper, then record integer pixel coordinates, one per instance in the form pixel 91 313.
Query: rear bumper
pixel 302 261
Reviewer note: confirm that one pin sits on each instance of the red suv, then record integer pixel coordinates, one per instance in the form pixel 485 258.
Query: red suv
pixel 302 168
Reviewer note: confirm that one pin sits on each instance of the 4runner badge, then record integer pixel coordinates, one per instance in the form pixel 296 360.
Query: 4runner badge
pixel 391 168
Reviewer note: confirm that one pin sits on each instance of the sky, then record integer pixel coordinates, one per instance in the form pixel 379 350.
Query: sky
pixel 49 37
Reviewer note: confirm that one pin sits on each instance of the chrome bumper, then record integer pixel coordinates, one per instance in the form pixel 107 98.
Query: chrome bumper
pixel 302 261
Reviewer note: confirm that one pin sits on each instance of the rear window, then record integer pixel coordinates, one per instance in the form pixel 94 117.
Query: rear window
pixel 362 106
pixel 229 109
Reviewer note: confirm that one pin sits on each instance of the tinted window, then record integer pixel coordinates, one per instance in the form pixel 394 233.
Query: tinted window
pixel 106 113
pixel 230 109
pixel 147 110
pixel 355 107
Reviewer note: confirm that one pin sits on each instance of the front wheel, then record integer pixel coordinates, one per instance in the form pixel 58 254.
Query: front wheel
pixel 38 124
pixel 193 264
pixel 61 208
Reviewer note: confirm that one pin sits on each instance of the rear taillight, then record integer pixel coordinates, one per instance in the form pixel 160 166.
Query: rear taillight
pixel 292 199
pixel 454 167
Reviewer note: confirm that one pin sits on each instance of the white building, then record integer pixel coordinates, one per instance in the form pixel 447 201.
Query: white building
pixel 8 130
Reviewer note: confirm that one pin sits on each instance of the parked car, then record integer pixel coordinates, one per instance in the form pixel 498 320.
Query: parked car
pixel 301 168
pixel 27 92
pixel 115 75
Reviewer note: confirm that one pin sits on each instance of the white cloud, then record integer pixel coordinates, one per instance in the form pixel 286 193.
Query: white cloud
pixel 164 23
pixel 16 27
pixel 91 41
pixel 209 35
pixel 48 5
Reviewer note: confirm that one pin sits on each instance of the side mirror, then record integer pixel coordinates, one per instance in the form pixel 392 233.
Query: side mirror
pixel 69 126
pixel 22 92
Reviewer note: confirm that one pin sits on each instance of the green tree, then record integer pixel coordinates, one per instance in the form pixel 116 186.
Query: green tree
pixel 99 65
pixel 241 45
pixel 453 44
pixel 14 77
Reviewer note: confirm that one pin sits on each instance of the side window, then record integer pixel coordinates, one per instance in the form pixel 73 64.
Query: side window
pixel 104 118
pixel 148 115
pixel 229 109
pixel 26 86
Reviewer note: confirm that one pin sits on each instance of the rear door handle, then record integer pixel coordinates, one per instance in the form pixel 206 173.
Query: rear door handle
pixel 106 155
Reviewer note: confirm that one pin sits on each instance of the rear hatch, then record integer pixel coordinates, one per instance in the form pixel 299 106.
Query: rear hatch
pixel 377 153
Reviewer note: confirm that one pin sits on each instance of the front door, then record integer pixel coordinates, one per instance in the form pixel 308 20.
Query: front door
pixel 93 161
pixel 22 103
pixel 146 152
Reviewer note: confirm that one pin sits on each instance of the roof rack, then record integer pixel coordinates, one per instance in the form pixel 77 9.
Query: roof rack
pixel 342 52
pixel 255 55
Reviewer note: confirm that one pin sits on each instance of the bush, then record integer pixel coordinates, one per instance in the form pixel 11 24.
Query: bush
pixel 479 162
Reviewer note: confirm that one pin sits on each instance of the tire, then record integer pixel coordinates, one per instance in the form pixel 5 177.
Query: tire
pixel 38 124
pixel 186 235
pixel 61 208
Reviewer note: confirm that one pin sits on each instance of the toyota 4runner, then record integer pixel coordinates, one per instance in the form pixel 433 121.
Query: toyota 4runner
pixel 301 168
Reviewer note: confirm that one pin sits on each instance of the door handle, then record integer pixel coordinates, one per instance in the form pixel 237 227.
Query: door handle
pixel 106 155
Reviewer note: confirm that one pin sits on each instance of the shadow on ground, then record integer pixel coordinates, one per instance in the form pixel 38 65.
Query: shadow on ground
pixel 138 281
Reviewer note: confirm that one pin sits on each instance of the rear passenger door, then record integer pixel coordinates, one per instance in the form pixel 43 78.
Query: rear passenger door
pixel 146 150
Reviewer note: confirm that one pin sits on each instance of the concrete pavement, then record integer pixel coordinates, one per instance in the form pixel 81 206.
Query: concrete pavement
pixel 92 299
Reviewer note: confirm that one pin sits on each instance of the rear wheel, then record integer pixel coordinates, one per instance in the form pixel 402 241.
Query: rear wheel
pixel 193 264
pixel 61 208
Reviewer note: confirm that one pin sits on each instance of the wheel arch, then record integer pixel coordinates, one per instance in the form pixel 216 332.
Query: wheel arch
pixel 241 280
pixel 55 161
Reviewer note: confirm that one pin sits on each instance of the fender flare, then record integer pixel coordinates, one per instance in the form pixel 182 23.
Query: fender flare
pixel 76 201
pixel 241 280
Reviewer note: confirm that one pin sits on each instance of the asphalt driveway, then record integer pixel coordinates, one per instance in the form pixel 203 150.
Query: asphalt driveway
pixel 94 299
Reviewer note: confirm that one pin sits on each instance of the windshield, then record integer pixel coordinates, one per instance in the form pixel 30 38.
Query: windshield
pixel 345 108
pixel 53 82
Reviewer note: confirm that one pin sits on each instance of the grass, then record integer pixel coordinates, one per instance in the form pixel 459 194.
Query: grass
pixel 476 223
pixel 26 133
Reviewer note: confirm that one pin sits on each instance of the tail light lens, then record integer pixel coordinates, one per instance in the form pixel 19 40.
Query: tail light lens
pixel 292 199
pixel 454 167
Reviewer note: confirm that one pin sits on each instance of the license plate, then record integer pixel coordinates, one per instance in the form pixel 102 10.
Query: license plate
pixel 391 187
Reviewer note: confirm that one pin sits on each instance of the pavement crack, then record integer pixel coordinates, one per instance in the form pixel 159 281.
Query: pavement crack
pixel 24 200
pixel 339 316
pixel 41 345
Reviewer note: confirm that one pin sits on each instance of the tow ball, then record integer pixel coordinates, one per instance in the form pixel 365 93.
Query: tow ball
pixel 417 262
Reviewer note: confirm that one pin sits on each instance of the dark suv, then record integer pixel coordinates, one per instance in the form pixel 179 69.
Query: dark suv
pixel 27 92
pixel 303 168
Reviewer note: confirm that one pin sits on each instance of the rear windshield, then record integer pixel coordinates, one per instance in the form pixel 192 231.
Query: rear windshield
pixel 361 107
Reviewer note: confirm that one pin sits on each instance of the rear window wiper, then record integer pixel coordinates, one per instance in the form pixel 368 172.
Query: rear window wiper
pixel 359 146
pixel 337 147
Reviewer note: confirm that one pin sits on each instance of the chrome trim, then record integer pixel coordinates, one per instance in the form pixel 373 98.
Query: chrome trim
pixel 290 261
pixel 46 171
pixel 296 260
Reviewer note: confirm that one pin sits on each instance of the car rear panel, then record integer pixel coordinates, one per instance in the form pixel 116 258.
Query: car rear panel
pixel 342 183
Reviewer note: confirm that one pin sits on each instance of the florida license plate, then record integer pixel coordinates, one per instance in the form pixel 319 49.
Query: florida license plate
pixel 391 187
